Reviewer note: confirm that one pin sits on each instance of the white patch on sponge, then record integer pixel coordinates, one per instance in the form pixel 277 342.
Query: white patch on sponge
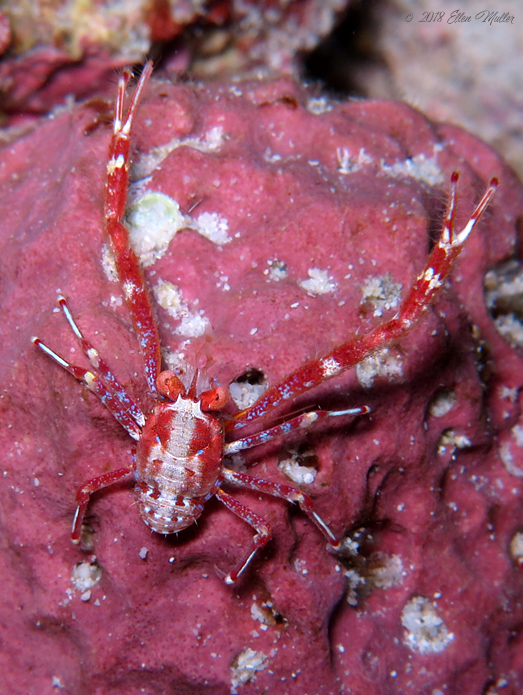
pixel 153 220
pixel 318 283
pixel 192 323
pixel 425 631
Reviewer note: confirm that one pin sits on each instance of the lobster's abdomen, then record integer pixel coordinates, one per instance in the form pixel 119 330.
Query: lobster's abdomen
pixel 178 462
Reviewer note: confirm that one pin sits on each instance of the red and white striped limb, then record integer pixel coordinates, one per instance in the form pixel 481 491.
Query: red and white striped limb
pixel 299 422
pixel 263 532
pixel 102 369
pixel 84 495
pixel 100 388
pixel 419 298
pixel 127 264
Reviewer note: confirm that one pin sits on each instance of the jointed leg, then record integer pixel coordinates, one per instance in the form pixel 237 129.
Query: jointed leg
pixel 84 493
pixel 299 422
pixel 127 264
pixel 286 492
pixel 102 368
pixel 437 269
pixel 263 533
pixel 95 384
pixel 440 262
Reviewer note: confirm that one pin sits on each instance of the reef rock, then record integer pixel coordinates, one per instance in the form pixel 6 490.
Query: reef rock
pixel 272 225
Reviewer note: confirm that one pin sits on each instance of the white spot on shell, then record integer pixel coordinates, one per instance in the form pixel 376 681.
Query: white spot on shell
pixel 330 367
pixel 434 279
pixel 129 289
pixel 114 164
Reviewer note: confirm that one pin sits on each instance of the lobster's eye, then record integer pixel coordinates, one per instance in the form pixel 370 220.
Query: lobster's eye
pixel 214 399
pixel 169 385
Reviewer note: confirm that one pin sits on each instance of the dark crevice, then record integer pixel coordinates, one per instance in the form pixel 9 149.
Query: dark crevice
pixel 348 52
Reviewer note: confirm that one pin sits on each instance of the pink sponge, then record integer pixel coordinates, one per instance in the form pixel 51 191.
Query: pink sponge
pixel 273 225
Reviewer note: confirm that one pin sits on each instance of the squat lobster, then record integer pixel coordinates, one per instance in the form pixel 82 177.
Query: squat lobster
pixel 180 449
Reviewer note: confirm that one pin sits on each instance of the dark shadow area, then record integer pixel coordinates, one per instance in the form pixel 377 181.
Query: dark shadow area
pixel 348 51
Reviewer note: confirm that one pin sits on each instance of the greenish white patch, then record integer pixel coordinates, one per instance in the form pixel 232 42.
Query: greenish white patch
pixel 153 220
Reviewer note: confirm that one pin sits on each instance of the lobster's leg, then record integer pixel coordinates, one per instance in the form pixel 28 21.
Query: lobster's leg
pixel 102 368
pixel 285 492
pixel 299 422
pixel 84 494
pixel 97 385
pixel 127 264
pixel 420 296
pixel 263 533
